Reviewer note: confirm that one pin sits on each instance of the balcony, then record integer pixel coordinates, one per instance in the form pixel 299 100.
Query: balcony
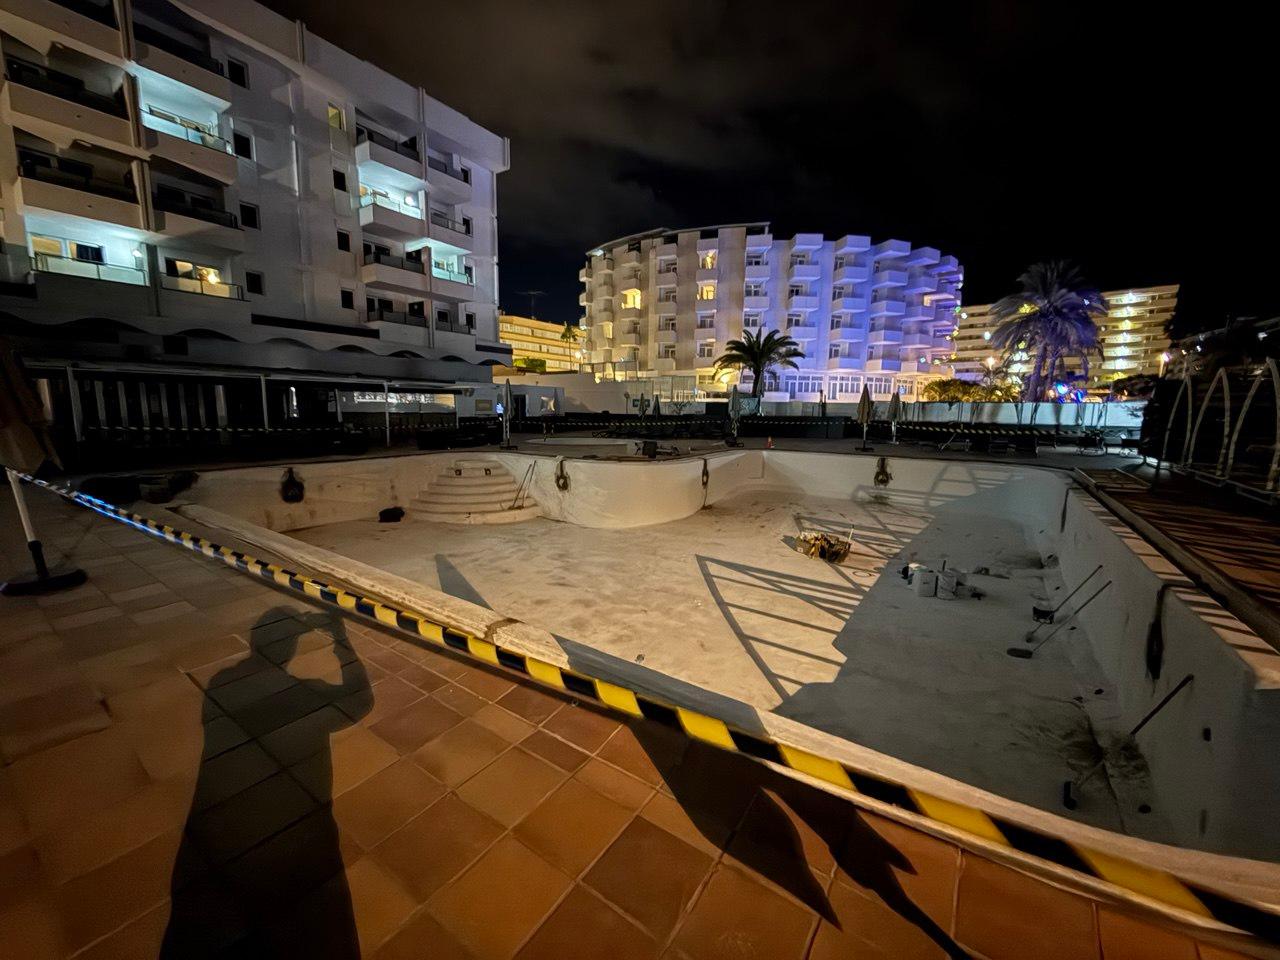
pixel 630 313
pixel 917 341
pixel 920 315
pixel 848 304
pixel 189 298
pixel 851 273
pixel 83 25
pixel 197 219
pixel 382 271
pixel 667 335
pixel 188 144
pixel 804 271
pixel 921 283
pixel 852 243
pixel 844 363
pixel 666 308
pixel 883 335
pixel 400 162
pixel 882 365
pixel 447 284
pixel 757 271
pixel 664 365
pixel 584 275
pixel 761 240
pixel 627 258
pixel 450 231
pixel 603 265
pixel 760 302
pixel 383 217
pixel 204 288
pixel 600 316
pixel 806 241
pixel 707 274
pixel 890 250
pixel 922 257
pixel 59 108
pixel 603 289
pixel 886 308
pixel 802 331
pixel 627 340
pixel 189 65
pixel 802 301
pixel 888 278
pixel 447 183
pixel 602 330
pixel 847 333
pixel 70 186
pixel 708 244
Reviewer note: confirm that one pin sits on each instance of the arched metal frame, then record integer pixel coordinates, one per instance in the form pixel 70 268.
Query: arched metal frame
pixel 1189 451
pixel 1184 391
pixel 1271 372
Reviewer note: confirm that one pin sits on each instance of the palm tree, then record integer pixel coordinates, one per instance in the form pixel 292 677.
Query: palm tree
pixel 1051 318
pixel 571 332
pixel 759 353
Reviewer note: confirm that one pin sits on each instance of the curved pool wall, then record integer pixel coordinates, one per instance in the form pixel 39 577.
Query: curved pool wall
pixel 1211 751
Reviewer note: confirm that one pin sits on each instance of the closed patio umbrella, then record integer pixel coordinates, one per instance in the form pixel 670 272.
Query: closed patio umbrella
pixel 895 413
pixel 866 410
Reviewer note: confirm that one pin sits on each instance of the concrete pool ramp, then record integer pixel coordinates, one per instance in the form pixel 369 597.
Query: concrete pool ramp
pixel 1208 752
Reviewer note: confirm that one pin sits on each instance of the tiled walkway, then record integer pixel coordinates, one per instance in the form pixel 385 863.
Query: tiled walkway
pixel 197 765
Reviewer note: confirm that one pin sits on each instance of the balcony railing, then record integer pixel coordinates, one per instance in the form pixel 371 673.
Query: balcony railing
pixel 90 270
pixel 61 85
pixel 176 126
pixel 101 11
pixel 446 274
pixel 381 139
pixel 69 172
pixel 207 288
pixel 183 51
pixel 195 206
pixel 397 316
pixel 437 164
pixel 400 263
pixel 382 200
pixel 457 226
pixel 454 327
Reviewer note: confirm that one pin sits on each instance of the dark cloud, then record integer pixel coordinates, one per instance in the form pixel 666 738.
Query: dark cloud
pixel 1129 138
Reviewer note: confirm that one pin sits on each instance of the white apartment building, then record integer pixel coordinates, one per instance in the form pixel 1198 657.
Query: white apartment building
pixel 1133 337
pixel 664 303
pixel 208 184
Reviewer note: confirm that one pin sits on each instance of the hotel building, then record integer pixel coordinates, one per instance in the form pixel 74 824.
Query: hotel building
pixel 663 304
pixel 1134 341
pixel 538 346
pixel 206 186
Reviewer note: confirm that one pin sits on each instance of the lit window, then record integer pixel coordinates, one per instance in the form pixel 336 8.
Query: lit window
pixel 709 260
pixel 706 291
pixel 337 119
pixel 631 299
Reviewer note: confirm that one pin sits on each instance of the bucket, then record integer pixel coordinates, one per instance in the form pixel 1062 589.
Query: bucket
pixel 926 583
pixel 948 581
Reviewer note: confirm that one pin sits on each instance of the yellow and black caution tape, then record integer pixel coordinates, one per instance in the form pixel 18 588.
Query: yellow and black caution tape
pixel 1154 884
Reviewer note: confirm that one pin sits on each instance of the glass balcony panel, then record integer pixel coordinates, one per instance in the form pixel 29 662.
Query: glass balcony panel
pixel 70 267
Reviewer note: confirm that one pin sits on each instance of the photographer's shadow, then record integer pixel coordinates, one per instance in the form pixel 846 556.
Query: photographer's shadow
pixel 247 901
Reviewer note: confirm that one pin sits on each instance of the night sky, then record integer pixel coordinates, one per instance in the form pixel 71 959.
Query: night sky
pixel 1135 141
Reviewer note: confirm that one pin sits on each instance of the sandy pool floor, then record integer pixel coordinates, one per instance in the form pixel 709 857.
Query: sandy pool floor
pixel 722 600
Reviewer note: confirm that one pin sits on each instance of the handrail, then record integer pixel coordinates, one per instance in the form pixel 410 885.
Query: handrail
pixel 89 269
pixel 183 51
pixel 446 274
pixel 64 86
pixel 69 172
pixel 437 164
pixel 179 126
pixel 440 220
pixel 186 208
pixel 390 260
pixel 382 200
pixel 364 134
pixel 225 291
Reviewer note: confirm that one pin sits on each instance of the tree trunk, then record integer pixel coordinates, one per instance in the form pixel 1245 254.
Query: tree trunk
pixel 757 386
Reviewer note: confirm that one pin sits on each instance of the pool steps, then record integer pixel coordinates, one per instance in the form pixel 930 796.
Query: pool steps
pixel 473 490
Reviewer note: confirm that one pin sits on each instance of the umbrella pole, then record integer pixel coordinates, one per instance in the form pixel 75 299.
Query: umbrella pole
pixel 44 582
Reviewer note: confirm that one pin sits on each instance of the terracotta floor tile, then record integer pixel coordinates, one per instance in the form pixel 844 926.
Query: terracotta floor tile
pixel 584 927
pixel 619 787
pixel 502 722
pixel 460 699
pixel 645 750
pixel 274 876
pixel 422 938
pixel 85 774
pixel 350 915
pixel 1127 938
pixel 554 750
pixel 511 786
pixel 585 728
pixel 772 845
pixel 272 712
pixel 486 684
pixel 385 802
pixel 509 874
pixel 666 812
pixel 355 754
pixel 230 772
pixel 737 917
pixel 32 929
pixel 380 903
pixel 460 752
pixel 249 817
pixel 298 740
pixel 235 667
pixel 434 847
pixel 417 723
pixel 530 703
pixel 1004 914
pixel 417 675
pixel 259 680
pixel 572 826
pixel 138 938
pixel 866 929
pixel 390 695
pixel 878 851
pixel 1208 952
pixel 650 875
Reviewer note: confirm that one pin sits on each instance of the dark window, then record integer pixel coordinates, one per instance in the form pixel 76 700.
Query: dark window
pixel 348 300
pixel 242 143
pixel 385 304
pixel 344 241
pixel 466 226
pixel 471 320
pixel 466 174
pixel 417 308
pixel 442 316
pixel 249 216
pixel 370 304
pixel 83 251
pixel 340 181
pixel 237 73
pixel 413 256
pixel 253 282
